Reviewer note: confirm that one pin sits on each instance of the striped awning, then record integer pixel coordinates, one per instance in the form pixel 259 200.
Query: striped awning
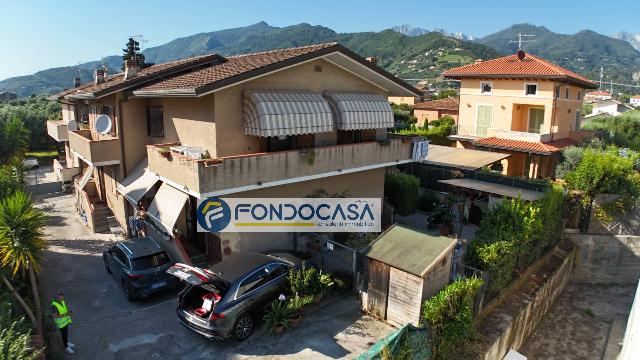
pixel 285 112
pixel 356 111
pixel 167 206
pixel 138 183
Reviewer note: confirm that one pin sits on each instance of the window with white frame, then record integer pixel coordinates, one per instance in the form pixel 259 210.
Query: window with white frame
pixel 486 87
pixel 530 89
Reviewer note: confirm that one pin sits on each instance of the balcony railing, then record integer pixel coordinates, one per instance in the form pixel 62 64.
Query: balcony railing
pixel 253 170
pixel 57 129
pixel 63 172
pixel 104 151
pixel 518 135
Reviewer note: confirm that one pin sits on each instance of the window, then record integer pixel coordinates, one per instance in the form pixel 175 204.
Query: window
pixel 530 89
pixel 578 120
pixel 120 255
pixel 557 92
pixel 484 119
pixel 486 87
pixel 276 270
pixel 579 95
pixel 566 93
pixel 150 261
pixel 107 110
pixel 253 282
pixel 155 124
pixel 536 119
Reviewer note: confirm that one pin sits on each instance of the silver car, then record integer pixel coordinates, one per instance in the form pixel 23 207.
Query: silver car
pixel 224 300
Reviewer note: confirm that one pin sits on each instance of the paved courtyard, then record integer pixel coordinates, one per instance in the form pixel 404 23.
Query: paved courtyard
pixel 583 322
pixel 107 326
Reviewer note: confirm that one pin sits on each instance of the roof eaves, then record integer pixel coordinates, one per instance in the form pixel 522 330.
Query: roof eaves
pixel 502 147
pixel 163 93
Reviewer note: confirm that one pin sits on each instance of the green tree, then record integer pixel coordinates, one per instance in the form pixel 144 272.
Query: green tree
pixel 131 51
pixel 21 240
pixel 587 108
pixel 15 337
pixel 445 94
pixel 402 192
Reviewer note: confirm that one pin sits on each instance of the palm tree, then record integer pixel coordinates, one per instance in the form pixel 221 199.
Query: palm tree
pixel 21 240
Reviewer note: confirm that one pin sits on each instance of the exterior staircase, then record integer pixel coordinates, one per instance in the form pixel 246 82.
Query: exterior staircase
pixel 101 215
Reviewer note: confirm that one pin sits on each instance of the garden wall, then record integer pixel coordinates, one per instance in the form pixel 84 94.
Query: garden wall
pixel 508 322
pixel 606 259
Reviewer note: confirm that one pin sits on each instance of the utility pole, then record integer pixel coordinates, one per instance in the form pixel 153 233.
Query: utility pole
pixel 521 40
pixel 600 86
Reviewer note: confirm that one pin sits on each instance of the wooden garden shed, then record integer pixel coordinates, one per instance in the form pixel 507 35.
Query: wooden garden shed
pixel 406 266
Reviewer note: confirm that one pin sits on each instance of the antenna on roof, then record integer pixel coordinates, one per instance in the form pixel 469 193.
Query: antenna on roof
pixel 140 39
pixel 521 41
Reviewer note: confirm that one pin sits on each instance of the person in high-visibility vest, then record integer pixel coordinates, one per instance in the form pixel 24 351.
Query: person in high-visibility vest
pixel 62 318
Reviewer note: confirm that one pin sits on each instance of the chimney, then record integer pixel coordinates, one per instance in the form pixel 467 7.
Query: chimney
pixel 76 82
pixel 131 68
pixel 98 76
pixel 373 60
pixel 478 61
pixel 521 54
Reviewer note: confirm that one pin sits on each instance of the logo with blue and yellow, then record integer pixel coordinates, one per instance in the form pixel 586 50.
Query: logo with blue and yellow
pixel 214 214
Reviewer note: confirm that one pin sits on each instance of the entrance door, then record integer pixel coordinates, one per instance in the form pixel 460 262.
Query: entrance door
pixel 377 288
pixel 484 118
pixel 536 119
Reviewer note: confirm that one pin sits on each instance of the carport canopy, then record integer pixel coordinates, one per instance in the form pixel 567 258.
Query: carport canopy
pixel 496 189
pixel 167 206
pixel 138 183
pixel 411 250
pixel 464 159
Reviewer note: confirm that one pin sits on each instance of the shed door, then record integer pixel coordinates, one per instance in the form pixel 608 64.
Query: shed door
pixel 405 298
pixel 377 288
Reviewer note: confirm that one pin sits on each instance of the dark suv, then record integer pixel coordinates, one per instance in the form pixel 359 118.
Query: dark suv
pixel 140 266
pixel 224 300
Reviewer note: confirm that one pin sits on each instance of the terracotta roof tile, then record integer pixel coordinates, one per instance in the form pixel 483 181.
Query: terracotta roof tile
pixel 598 93
pixel 235 65
pixel 526 146
pixel 511 65
pixel 450 103
pixel 148 74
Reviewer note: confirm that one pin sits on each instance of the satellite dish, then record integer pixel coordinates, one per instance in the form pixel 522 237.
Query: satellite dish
pixel 72 125
pixel 103 124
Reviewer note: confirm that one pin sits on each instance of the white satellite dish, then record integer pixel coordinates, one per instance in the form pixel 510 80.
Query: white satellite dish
pixel 103 124
pixel 72 125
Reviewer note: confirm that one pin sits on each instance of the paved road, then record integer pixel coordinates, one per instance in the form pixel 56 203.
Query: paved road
pixel 107 326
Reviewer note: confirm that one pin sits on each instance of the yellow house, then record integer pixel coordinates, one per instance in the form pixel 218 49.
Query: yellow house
pixel 522 105
pixel 239 126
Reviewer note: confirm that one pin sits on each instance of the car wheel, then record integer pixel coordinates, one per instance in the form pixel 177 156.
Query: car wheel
pixel 128 291
pixel 106 265
pixel 243 327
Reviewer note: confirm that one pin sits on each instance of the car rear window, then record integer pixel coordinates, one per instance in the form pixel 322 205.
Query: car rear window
pixel 150 261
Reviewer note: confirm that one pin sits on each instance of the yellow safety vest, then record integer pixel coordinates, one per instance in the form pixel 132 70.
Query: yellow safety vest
pixel 64 319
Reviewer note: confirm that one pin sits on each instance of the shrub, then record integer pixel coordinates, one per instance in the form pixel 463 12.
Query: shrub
pixel 305 281
pixel 277 315
pixel 428 201
pixel 450 317
pixel 402 192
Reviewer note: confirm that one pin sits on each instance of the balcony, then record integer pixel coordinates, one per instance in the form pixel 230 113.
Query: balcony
pixel 99 151
pixel 518 135
pixel 63 172
pixel 252 171
pixel 57 129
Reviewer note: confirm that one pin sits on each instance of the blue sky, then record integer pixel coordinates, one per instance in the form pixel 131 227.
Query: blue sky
pixel 38 34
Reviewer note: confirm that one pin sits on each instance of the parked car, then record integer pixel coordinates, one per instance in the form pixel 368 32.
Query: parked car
pixel 140 265
pixel 224 300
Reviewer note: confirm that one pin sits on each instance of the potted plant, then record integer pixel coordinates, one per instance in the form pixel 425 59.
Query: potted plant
pixel 164 152
pixel 277 318
pixel 295 305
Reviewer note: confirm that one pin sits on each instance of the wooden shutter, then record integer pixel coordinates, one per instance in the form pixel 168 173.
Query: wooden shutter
pixel 155 124
pixel 485 115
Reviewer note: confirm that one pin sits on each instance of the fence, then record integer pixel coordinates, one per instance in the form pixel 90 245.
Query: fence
pixel 332 256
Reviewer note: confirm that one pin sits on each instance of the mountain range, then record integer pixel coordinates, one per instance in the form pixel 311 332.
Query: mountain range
pixel 423 55
pixel 633 39
pixel 416 31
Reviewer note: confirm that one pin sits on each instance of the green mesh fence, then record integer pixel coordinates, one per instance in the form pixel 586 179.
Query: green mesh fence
pixel 407 343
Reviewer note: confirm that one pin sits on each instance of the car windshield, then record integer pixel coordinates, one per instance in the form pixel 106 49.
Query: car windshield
pixel 150 261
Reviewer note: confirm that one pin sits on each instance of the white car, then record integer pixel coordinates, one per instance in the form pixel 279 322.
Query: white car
pixel 30 163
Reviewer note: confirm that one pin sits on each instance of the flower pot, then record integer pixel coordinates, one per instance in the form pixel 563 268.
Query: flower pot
pixel 278 329
pixel 295 318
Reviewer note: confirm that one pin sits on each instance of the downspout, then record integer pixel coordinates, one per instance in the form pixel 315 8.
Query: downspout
pixel 553 115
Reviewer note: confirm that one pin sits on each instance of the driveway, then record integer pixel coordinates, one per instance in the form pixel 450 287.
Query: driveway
pixel 107 326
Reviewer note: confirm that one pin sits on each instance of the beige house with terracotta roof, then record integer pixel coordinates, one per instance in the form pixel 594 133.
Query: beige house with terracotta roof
pixel 428 111
pixel 522 105
pixel 238 126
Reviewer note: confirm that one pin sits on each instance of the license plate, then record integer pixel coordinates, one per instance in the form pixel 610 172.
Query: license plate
pixel 157 285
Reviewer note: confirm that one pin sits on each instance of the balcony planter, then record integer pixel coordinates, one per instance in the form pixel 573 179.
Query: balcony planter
pixel 165 153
